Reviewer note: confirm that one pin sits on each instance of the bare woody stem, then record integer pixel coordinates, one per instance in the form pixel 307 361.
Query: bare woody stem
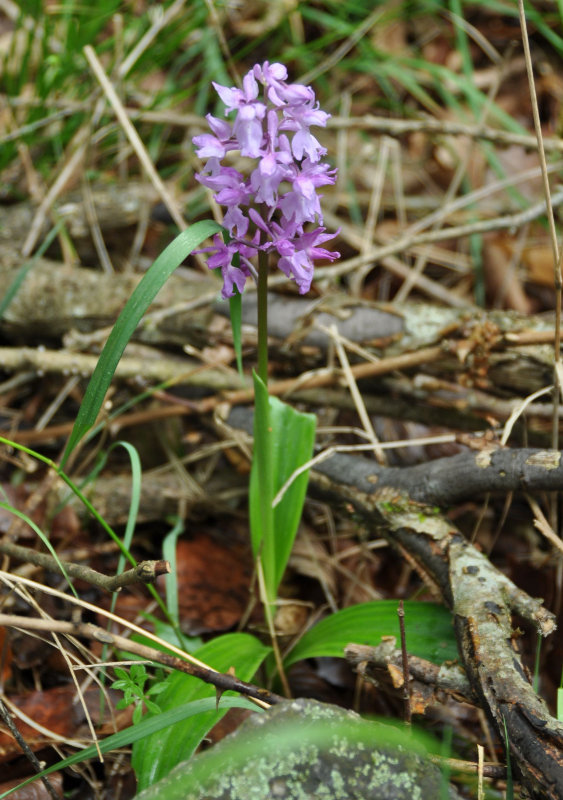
pixel 144 572
pixel 221 680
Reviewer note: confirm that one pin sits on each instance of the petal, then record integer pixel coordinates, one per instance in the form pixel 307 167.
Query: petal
pixel 234 218
pixel 249 87
pixel 208 146
pixel 220 127
pixel 232 98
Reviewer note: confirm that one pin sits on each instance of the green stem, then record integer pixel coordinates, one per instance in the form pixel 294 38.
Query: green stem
pixel 263 317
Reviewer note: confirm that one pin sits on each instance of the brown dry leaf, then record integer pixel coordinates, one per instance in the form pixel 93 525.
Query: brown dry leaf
pixel 36 790
pixel 213 583
pixel 55 710
pixel 5 655
pixel 309 557
pixel 538 261
pixel 291 618
pixel 390 36
pixel 502 281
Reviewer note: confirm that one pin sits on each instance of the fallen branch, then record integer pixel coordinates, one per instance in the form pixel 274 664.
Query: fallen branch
pixel 379 664
pixel 482 601
pixel 446 481
pixel 144 572
pixel 222 681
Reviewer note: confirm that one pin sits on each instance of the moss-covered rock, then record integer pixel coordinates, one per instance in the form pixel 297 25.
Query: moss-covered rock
pixel 300 750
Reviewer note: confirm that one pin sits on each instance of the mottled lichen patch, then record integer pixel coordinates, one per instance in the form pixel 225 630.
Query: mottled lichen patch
pixel 483 458
pixel 548 459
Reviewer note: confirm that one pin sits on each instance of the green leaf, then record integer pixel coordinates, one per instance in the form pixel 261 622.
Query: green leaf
pixel 235 306
pixel 156 755
pixel 283 442
pixel 171 580
pixel 261 490
pixel 147 727
pixel 136 306
pixel 428 631
pixel 21 274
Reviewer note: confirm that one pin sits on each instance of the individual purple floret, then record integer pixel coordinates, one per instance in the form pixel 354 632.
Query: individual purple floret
pixel 267 206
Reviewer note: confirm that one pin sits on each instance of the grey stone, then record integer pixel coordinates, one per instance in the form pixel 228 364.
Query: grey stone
pixel 300 750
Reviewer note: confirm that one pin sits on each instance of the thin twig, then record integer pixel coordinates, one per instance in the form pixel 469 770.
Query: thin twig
pixel 405 658
pixel 390 126
pixel 144 572
pixel 134 137
pixel 404 361
pixel 557 278
pixel 26 749
pixel 222 681
pixel 399 127
pixel 407 241
pixel 356 395
pixel 15 581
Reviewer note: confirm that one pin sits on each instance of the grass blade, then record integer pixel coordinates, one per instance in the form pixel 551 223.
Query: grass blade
pixel 128 320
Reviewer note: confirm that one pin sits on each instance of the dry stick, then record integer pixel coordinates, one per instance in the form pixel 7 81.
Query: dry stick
pixel 160 21
pixel 144 572
pixel 368 230
pixel 405 659
pixel 490 769
pixel 466 200
pixel 26 749
pixel 399 127
pixel 57 187
pixel 222 681
pixel 241 396
pixel 293 386
pixel 133 137
pixel 14 581
pixel 482 226
pixel 450 194
pixel 158 370
pixel 356 395
pixel 480 771
pixel 393 127
pixel 369 661
pixel 557 278
pixel 404 361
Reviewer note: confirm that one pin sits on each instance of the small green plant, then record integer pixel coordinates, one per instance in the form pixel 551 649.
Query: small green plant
pixel 133 684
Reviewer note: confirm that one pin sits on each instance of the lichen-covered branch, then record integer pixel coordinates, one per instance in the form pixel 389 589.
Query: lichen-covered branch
pixel 482 601
pixel 446 481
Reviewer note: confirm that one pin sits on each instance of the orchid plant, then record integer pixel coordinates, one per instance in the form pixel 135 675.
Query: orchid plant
pixel 270 194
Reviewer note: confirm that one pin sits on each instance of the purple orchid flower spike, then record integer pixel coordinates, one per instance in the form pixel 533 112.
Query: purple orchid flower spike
pixel 266 209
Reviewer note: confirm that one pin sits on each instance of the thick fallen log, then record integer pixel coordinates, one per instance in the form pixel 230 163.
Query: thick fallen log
pixel 482 600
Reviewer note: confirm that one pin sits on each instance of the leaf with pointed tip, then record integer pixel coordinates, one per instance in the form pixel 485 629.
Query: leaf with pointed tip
pixel 121 333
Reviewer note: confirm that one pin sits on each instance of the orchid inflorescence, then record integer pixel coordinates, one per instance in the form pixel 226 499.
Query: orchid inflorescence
pixel 267 211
